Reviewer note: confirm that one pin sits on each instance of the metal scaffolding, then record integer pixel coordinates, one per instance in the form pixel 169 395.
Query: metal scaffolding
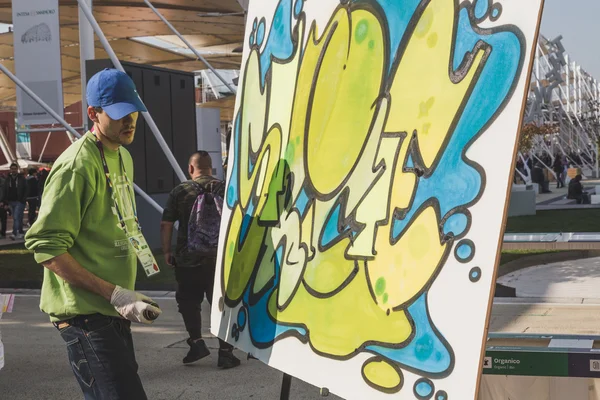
pixel 564 99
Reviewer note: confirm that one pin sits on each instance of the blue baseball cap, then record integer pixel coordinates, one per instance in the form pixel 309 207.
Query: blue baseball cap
pixel 115 93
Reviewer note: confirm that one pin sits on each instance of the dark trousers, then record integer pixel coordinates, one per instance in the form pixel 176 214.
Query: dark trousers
pixel 192 284
pixel 560 181
pixel 32 205
pixel 102 357
pixel 543 187
pixel 584 198
pixel 3 219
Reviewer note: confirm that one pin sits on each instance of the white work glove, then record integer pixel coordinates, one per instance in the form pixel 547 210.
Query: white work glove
pixel 134 306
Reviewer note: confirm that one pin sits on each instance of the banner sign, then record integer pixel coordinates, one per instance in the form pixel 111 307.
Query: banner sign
pixel 37 37
pixel 23 146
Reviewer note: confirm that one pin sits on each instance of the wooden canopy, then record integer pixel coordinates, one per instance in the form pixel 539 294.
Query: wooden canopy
pixel 214 36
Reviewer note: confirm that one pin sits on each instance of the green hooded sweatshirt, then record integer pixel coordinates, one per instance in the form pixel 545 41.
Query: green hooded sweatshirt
pixel 78 216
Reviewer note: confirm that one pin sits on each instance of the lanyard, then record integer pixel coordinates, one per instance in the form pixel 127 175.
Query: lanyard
pixel 122 224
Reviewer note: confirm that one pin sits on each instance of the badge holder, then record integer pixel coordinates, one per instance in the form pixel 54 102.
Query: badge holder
pixel 137 241
pixel 144 254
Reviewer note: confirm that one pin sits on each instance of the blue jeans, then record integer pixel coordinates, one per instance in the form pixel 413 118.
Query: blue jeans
pixel 16 209
pixel 102 357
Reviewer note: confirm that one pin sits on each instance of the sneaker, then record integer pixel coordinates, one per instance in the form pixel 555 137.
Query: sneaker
pixel 198 351
pixel 227 359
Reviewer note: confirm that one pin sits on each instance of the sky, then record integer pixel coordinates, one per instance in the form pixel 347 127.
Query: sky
pixel 577 21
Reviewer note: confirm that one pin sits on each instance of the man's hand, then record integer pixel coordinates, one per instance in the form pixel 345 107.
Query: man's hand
pixel 166 233
pixel 134 306
pixel 170 260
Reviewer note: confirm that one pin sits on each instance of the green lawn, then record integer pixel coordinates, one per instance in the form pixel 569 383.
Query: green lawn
pixel 512 255
pixel 556 221
pixel 17 265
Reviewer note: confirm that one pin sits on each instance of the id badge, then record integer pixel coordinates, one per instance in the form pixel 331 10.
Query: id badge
pixel 144 254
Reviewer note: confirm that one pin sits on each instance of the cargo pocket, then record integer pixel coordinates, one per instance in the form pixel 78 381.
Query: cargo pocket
pixel 79 363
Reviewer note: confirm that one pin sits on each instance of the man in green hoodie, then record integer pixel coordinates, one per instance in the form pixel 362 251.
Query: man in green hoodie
pixel 82 238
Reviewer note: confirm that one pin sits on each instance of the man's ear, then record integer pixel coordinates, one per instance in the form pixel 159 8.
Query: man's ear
pixel 92 114
pixel 191 169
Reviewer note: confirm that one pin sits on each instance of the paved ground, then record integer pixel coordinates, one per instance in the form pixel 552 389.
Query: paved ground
pixel 7 241
pixel 556 193
pixel 37 367
pixel 545 318
pixel 569 281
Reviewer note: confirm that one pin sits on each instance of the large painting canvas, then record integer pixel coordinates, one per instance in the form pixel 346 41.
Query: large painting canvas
pixel 370 161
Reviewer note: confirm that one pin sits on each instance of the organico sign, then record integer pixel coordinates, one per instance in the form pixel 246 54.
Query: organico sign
pixel 522 363
pixel 37 37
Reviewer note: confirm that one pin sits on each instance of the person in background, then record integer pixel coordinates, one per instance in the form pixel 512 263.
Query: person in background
pixel 194 272
pixel 3 209
pixel 82 238
pixel 15 194
pixel 33 193
pixel 558 169
pixel 227 145
pixel 576 191
pixel 565 163
pixel 537 176
pixel 43 175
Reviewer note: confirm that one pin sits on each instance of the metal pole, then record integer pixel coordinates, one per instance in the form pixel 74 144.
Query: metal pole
pixel 5 147
pixel 568 96
pixel 43 130
pixel 44 148
pixel 597 165
pixel 176 32
pixel 147 116
pixel 286 385
pixel 69 128
pixel 86 52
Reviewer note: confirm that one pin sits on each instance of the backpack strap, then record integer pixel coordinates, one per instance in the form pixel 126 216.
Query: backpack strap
pixel 214 186
pixel 201 189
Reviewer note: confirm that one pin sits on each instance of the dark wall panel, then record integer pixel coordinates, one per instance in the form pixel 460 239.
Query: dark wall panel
pixel 138 147
pixel 184 119
pixel 157 94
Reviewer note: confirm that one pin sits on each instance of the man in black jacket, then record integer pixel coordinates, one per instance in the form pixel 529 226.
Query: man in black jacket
pixel 15 194
pixel 537 176
pixel 194 271
pixel 576 191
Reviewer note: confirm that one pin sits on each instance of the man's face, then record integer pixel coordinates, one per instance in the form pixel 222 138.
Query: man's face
pixel 119 132
pixel 14 170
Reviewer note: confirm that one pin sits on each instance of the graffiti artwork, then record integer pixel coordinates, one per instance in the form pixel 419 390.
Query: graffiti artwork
pixel 371 155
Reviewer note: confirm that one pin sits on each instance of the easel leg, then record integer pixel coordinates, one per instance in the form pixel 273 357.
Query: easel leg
pixel 286 385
